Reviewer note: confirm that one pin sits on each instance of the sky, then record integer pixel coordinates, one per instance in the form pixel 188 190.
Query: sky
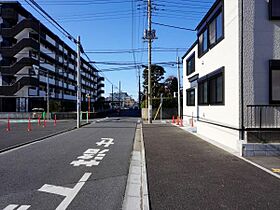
pixel 112 31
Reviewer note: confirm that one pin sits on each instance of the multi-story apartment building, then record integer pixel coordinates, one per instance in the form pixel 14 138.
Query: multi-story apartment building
pixel 232 74
pixel 34 62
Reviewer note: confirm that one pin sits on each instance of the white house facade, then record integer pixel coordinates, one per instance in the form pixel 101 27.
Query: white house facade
pixel 231 74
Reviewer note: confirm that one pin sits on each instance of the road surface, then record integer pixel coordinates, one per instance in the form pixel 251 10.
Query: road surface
pixel 82 169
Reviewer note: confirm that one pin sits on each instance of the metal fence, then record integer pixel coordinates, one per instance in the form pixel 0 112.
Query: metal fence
pixel 263 116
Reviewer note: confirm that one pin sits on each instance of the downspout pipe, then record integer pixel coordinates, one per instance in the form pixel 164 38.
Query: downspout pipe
pixel 242 136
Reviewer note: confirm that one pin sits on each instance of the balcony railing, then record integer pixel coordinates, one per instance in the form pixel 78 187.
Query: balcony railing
pixel 263 116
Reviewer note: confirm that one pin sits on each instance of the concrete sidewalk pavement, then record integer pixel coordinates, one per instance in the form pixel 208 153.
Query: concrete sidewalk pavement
pixel 185 172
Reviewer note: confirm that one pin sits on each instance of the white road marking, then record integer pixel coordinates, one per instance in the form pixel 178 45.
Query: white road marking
pixel 92 151
pixel 11 207
pixel 105 141
pixel 86 163
pixel 88 158
pixel 14 206
pixel 24 207
pixel 101 155
pixel 103 151
pixel 69 193
pixel 98 158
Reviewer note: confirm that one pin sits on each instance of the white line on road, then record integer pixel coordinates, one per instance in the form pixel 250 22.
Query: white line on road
pixel 69 193
pixel 14 206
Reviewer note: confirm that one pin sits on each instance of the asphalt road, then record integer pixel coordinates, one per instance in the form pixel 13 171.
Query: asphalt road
pixel 51 174
pixel 19 133
pixel 185 172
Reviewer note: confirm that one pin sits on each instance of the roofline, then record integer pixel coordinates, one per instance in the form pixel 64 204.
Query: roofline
pixel 208 13
pixel 190 49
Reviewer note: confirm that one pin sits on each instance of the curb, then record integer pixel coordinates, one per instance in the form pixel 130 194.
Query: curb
pixel 136 193
pixel 145 194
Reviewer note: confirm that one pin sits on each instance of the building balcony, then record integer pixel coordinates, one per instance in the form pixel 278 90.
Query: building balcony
pixel 100 79
pixel 24 43
pixel 16 67
pixel 22 82
pixel 27 23
pixel 99 92
pixel 100 85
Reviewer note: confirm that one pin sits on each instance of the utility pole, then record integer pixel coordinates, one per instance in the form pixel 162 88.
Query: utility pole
pixel 48 95
pixel 179 95
pixel 161 102
pixel 120 94
pixel 78 82
pixel 139 88
pixel 150 107
pixel 112 96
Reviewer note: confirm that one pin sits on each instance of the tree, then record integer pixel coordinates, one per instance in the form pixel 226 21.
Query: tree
pixel 157 73
pixel 171 86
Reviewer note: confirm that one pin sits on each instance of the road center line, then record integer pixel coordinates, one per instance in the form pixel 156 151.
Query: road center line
pixel 69 193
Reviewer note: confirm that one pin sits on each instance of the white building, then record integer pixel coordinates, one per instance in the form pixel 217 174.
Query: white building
pixel 231 75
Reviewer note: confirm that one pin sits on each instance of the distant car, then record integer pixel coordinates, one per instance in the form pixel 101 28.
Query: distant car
pixel 37 112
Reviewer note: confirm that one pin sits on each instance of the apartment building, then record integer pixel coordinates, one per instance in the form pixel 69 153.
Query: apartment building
pixel 35 64
pixel 231 74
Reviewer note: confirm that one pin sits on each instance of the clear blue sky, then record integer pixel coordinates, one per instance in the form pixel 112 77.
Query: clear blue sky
pixel 110 29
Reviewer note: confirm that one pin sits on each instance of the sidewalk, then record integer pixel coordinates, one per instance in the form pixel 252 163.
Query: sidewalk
pixel 185 172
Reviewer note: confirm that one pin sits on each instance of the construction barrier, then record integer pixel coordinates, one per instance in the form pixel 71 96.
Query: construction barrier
pixel 8 125
pixel 181 122
pixel 54 123
pixel 29 125
pixel 178 120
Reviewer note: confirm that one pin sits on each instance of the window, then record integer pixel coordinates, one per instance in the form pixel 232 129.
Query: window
pixel 216 90
pixel 211 89
pixel 212 34
pixel 203 42
pixel 190 97
pixel 216 29
pixel 191 64
pixel 274 82
pixel 274 7
pixel 219 26
pixel 203 92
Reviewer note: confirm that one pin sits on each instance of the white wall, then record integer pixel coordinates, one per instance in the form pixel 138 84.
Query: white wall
pixel 224 54
pixel 190 112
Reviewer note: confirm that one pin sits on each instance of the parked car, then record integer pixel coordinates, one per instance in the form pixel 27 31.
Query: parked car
pixel 37 112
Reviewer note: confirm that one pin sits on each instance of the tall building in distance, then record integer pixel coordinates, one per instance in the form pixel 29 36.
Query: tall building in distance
pixel 35 64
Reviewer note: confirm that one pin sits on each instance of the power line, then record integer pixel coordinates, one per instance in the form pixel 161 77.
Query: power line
pixel 171 26
pixel 68 35
pixel 40 10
